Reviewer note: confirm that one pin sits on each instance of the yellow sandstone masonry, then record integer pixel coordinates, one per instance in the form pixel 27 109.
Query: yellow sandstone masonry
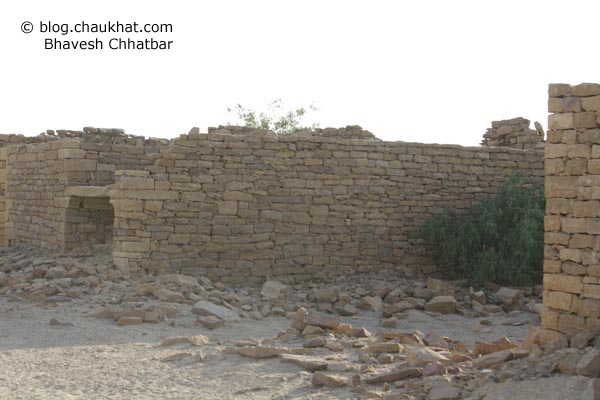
pixel 572 223
pixel 239 204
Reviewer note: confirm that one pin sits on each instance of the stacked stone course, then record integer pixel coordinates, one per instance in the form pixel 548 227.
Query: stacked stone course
pixel 38 172
pixel 240 206
pixel 243 204
pixel 572 223
pixel 513 133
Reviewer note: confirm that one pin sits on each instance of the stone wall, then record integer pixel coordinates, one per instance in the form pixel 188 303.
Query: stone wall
pixel 514 133
pixel 40 210
pixel 241 206
pixel 572 224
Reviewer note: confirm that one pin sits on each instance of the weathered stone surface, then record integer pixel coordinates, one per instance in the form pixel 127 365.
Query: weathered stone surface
pixel 589 364
pixel 298 319
pixel 308 363
pixel 385 347
pixel 168 295
pixel 206 308
pixel 210 321
pixel 394 376
pixel 371 303
pixel 261 352
pixel 444 391
pixel 433 369
pixel 483 348
pixel 273 289
pixel 328 380
pixel 419 356
pixel 493 359
pixel 323 321
pixel 442 304
pixel 509 298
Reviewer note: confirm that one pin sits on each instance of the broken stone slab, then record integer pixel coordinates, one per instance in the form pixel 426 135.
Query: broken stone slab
pixel 270 352
pixel 180 280
pixel 419 356
pixel 394 376
pixel 434 339
pixel 314 342
pixel 433 369
pixel 442 305
pixel 298 319
pixel 311 364
pixel 347 310
pixel 206 308
pixel 313 330
pixel 559 387
pixel 272 290
pixel 440 288
pixel 262 351
pixel 384 347
pixel 323 321
pixel 589 363
pixel 371 303
pixel 42 294
pixel 320 379
pixel 326 295
pixel 493 359
pixel 361 332
pixel 168 295
pixel 210 322
pixel 483 348
pixel 398 307
pixel 479 297
pixel 444 391
pixel 567 364
pixel 402 337
pixel 510 299
pixel 197 340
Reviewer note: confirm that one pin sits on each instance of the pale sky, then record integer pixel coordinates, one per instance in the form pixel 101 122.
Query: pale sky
pixel 424 71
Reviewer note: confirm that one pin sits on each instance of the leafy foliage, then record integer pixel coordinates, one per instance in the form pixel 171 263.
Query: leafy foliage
pixel 275 118
pixel 499 240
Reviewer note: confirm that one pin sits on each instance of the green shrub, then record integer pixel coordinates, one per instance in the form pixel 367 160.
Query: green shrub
pixel 275 118
pixel 499 240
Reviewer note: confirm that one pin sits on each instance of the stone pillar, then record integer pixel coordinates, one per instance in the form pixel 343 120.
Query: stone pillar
pixel 572 222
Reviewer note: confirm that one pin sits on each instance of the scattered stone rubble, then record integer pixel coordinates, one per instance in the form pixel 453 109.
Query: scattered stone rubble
pixel 349 360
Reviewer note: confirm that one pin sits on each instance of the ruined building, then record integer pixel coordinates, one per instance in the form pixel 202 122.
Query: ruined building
pixel 239 204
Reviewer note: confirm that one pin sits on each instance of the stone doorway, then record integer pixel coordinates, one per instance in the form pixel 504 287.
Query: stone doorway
pixel 89 224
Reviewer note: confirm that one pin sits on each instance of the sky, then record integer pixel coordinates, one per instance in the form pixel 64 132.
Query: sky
pixel 417 71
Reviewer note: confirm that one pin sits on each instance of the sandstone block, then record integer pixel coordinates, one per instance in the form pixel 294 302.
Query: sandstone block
pixel 563 283
pixel 561 121
pixel 442 304
pixel 586 90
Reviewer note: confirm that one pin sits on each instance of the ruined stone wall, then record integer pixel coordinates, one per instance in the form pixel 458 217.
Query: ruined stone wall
pixel 240 207
pixel 39 208
pixel 514 133
pixel 572 224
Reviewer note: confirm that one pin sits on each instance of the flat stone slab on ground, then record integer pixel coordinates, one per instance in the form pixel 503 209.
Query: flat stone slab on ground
pixel 206 308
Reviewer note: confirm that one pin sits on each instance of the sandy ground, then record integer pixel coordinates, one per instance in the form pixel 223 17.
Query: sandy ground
pixel 96 359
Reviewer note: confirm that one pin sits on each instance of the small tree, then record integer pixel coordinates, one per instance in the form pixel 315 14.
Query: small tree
pixel 275 118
